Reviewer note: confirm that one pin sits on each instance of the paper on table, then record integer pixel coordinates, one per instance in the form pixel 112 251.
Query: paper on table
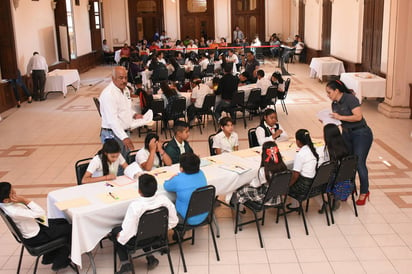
pixel 121 181
pixel 214 161
pixel 118 195
pixel 238 168
pixel 147 118
pixel 133 170
pixel 324 116
pixel 79 202
pixel 246 153
pixel 162 175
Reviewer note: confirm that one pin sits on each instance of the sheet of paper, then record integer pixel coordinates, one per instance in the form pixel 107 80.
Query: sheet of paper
pixel 133 170
pixel 73 203
pixel 238 168
pixel 145 120
pixel 324 116
pixel 162 175
pixel 246 153
pixel 121 181
pixel 214 161
pixel 118 195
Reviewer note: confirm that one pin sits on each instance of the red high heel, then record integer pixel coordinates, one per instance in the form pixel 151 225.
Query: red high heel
pixel 361 202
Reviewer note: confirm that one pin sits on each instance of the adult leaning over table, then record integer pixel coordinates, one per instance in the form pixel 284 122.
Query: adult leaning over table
pixel 355 132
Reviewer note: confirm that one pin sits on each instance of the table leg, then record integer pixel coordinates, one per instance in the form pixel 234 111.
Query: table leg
pixel 92 261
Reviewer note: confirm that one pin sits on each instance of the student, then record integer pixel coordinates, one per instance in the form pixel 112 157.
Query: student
pixel 270 164
pixel 184 183
pixel 152 154
pixel 124 235
pixel 278 79
pixel 262 83
pixel 270 129
pixel 304 167
pixel 104 166
pixel 225 140
pixel 179 144
pixel 28 217
pixel 243 79
pixel 199 92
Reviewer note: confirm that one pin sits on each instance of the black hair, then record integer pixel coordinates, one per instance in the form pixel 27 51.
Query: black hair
pixel 278 77
pixel 148 138
pixel 266 113
pixel 5 189
pixel 245 74
pixel 34 53
pixel 337 84
pixel 179 126
pixel 224 121
pixel 147 185
pixel 304 137
pixel 109 146
pixel 334 142
pixel 260 73
pixel 270 166
pixel 189 162
pixel 167 91
pixel 251 52
pixel 228 67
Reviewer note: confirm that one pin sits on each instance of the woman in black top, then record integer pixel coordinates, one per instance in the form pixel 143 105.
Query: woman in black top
pixel 355 132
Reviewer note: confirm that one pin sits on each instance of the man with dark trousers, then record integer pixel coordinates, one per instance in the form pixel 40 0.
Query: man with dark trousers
pixel 227 87
pixel 38 68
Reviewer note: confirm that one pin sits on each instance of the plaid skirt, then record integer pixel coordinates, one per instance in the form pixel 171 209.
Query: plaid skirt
pixel 255 194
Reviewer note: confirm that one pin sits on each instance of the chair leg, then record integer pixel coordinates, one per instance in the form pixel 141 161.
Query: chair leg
pixel 170 261
pixel 307 205
pixel 214 242
pixel 131 261
pixel 263 216
pixel 286 221
pixel 303 217
pixel 354 205
pixel 36 264
pixel 330 209
pixel 258 228
pixel 277 215
pixel 179 242
pixel 244 119
pixel 193 236
pixel 20 259
pixel 114 258
pixel 101 241
pixel 217 226
pixel 237 218
pixel 326 209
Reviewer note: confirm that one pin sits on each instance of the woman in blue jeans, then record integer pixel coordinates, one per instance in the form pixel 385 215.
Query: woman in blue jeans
pixel 355 132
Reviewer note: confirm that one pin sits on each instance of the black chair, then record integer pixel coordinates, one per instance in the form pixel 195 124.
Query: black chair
pixel 270 97
pixel 97 103
pixel 201 201
pixel 210 70
pixel 318 186
pixel 206 110
pixel 160 74
pixel 253 102
pixel 178 110
pixel 346 171
pixel 278 187
pixel 282 96
pixel 158 109
pixel 210 142
pixel 35 251
pixel 180 75
pixel 252 138
pixel 238 105
pixel 196 71
pixel 131 156
pixel 151 232
pixel 80 168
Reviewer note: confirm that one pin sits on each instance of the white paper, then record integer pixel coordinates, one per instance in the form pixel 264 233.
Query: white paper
pixel 325 117
pixel 147 119
pixel 133 170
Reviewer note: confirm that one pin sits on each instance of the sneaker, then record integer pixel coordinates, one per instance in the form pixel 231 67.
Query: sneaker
pixel 125 268
pixel 152 262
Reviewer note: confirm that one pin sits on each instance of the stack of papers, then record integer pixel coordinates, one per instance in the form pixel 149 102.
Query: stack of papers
pixel 121 181
pixel 147 119
pixel 73 203
pixel 246 153
pixel 119 195
pixel 326 118
pixel 162 175
pixel 237 168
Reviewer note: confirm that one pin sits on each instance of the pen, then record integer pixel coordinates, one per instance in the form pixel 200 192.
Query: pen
pixel 160 172
pixel 114 197
pixel 213 161
pixel 236 166
pixel 107 184
pixel 291 144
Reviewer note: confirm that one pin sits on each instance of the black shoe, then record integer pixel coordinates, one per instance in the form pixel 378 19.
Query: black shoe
pixel 125 268
pixel 42 99
pixel 291 209
pixel 336 205
pixel 18 105
pixel 47 259
pixel 152 262
pixel 60 265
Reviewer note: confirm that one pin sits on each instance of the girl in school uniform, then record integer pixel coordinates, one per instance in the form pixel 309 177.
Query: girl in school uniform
pixel 304 167
pixel 226 140
pixel 104 166
pixel 270 164
pixel 152 155
pixel 270 129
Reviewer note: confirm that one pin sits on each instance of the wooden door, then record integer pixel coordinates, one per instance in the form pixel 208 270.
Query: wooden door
pixel 301 27
pixel 197 19
pixel 249 15
pixel 326 27
pixel 95 18
pixel 8 58
pixel 145 19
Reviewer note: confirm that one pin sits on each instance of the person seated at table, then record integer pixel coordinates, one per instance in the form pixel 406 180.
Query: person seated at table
pixel 270 129
pixel 304 167
pixel 104 166
pixel 226 140
pixel 251 66
pixel 29 218
pixel 227 87
pixel 179 144
pixel 184 183
pixel 270 164
pixel 277 79
pixel 199 92
pixel 125 235
pixel 232 58
pixel 244 79
pixel 152 154
pixel 263 83
pixel 203 62
pixel 124 55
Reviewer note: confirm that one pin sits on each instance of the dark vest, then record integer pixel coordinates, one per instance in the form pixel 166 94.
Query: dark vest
pixel 267 130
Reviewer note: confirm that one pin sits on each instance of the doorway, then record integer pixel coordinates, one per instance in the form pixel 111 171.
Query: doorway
pixel 197 19
pixel 249 15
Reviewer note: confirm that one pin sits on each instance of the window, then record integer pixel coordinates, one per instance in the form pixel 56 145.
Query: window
pixel 194 6
pixel 70 28
pixel 96 11
pixel 146 6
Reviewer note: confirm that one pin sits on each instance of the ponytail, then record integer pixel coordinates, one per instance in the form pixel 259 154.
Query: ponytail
pixel 109 146
pixel 304 137
pixel 337 84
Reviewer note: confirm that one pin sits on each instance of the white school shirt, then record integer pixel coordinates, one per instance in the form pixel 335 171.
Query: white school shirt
pixel 96 166
pixel 116 110
pixel 225 144
pixel 37 62
pixel 143 154
pixel 260 179
pixel 260 134
pixel 136 210
pixel 191 48
pixel 181 146
pixel 263 84
pixel 199 93
pixel 323 155
pixel 203 64
pixel 25 217
pixel 299 47
pixel 305 162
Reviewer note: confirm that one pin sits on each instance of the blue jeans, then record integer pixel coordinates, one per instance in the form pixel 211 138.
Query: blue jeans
pixel 105 134
pixel 359 142
pixel 19 82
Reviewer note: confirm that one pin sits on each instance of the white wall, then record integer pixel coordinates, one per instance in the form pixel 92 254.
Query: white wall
pixel 82 28
pixel 222 20
pixel 385 36
pixel 294 19
pixel 34 31
pixel 274 14
pixel 313 24
pixel 347 26
pixel 116 22
pixel 172 19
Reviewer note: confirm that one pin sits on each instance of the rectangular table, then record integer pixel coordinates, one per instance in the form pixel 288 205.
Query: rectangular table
pixel 364 84
pixel 58 80
pixel 325 66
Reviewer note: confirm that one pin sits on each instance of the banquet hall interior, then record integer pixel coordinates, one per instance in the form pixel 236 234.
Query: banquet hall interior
pixel 41 141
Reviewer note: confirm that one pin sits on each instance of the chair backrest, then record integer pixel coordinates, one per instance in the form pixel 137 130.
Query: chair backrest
pixel 158 106
pixel 323 174
pixel 180 74
pixel 210 68
pixel 238 98
pixel 279 185
pixel 252 138
pixel 209 102
pixel 196 71
pixel 97 103
pixel 287 84
pixel 347 169
pixel 80 167
pixel 254 96
pixel 272 92
pixel 153 224
pixel 131 156
pixel 11 225
pixel 202 201
pixel 210 141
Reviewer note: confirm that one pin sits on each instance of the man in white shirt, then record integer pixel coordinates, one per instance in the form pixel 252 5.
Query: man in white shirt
pixel 262 82
pixel 199 92
pixel 116 110
pixel 126 233
pixel 37 68
pixel 191 47
pixel 232 58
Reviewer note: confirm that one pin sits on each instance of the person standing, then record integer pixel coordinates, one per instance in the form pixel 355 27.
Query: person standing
pixel 356 133
pixel 19 82
pixel 37 68
pixel 238 34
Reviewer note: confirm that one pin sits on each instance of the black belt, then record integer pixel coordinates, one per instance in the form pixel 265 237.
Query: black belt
pixel 109 129
pixel 354 128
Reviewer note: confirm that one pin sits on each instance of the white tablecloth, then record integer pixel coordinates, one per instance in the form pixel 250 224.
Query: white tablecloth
pixel 325 66
pixel 187 96
pixel 59 79
pixel 364 84
pixel 117 56
pixel 247 89
pixel 93 222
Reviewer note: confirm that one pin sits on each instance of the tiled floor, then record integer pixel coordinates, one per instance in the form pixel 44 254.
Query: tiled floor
pixel 41 142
